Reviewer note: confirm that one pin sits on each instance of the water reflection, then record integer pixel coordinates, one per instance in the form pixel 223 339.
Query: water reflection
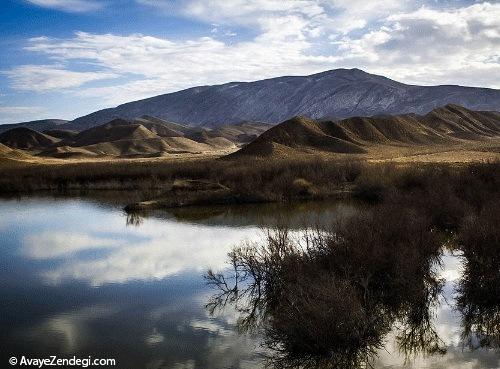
pixel 257 215
pixel 104 251
pixel 76 280
pixel 135 218
pixel 478 298
pixel 330 299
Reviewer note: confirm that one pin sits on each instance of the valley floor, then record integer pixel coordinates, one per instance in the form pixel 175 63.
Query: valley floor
pixel 476 151
pixel 213 178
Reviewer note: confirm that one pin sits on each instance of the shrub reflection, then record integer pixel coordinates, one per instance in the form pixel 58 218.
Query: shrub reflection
pixel 478 298
pixel 329 298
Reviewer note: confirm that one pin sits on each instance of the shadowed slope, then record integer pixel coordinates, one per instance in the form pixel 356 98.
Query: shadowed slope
pixel 27 139
pixel 298 134
pixel 62 134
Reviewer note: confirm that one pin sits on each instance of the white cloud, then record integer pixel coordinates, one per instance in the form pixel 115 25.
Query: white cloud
pixel 15 110
pixel 236 11
pixel 76 6
pixel 430 46
pixel 350 15
pixel 150 252
pixel 48 245
pixel 338 15
pixel 9 114
pixel 43 78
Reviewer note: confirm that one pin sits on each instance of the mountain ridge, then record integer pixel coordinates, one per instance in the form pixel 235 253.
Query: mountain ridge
pixel 341 93
pixel 37 125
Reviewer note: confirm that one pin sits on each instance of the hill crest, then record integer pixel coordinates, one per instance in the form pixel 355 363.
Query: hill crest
pixel 446 125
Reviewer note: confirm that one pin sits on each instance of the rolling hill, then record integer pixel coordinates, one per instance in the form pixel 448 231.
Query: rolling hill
pixel 447 125
pixel 26 139
pixel 146 137
pixel 7 153
pixel 152 137
pixel 339 93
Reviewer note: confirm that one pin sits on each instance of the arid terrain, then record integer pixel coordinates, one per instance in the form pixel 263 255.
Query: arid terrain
pixel 170 165
pixel 448 134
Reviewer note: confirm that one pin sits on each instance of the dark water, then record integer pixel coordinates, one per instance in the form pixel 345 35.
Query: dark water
pixel 81 278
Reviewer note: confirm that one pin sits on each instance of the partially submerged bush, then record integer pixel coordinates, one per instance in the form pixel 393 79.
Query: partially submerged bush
pixel 328 299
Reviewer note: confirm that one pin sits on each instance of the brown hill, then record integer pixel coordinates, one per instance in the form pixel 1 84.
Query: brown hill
pixel 61 134
pixel 9 155
pixel 210 138
pixel 113 131
pixel 242 133
pixel 223 137
pixel 457 121
pixel 155 146
pixel 447 125
pixel 164 128
pixel 124 138
pixel 65 152
pixel 299 134
pixel 6 151
pixel 26 139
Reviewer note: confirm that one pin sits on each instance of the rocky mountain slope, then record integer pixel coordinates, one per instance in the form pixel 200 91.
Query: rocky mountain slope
pixel 339 93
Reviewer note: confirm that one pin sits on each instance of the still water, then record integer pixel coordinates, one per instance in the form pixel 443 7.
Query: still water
pixel 79 277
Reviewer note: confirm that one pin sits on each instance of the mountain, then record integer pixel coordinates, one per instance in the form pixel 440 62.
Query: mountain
pixel 450 124
pixel 37 125
pixel 339 93
pixel 27 139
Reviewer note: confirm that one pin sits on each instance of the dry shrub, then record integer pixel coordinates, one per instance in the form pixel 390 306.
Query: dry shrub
pixel 329 299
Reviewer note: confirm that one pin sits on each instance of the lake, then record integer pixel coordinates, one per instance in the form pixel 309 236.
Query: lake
pixel 80 277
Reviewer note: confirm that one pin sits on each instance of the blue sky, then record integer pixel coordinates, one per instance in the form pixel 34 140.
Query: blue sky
pixel 66 58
